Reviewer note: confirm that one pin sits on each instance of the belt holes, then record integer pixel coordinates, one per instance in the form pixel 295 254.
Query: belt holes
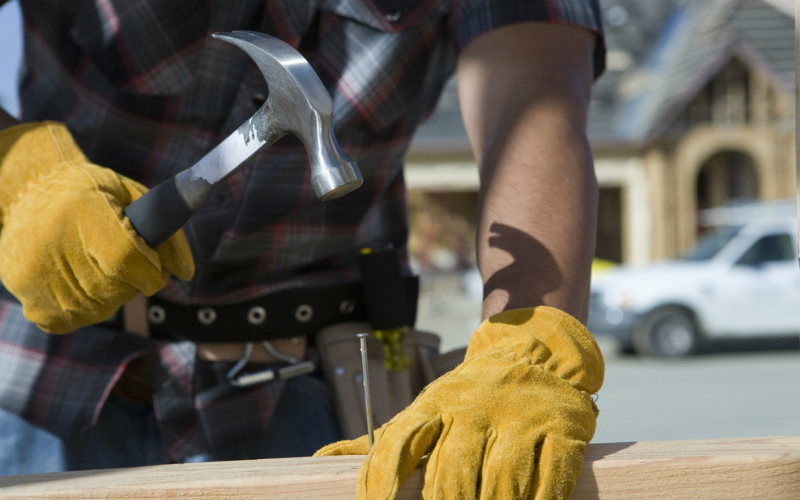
pixel 156 314
pixel 256 315
pixel 347 307
pixel 303 313
pixel 206 315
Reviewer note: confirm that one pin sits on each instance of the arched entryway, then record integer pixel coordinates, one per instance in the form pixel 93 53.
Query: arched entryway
pixel 725 178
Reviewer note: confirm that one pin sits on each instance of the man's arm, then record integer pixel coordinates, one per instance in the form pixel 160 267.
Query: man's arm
pixel 524 92
pixel 513 420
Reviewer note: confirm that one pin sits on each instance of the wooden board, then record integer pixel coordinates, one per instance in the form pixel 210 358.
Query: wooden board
pixel 703 469
pixel 707 469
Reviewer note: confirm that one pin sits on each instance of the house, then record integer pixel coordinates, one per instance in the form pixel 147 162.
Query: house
pixel 695 110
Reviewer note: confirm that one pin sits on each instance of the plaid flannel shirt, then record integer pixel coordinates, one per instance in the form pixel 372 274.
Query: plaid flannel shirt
pixel 146 91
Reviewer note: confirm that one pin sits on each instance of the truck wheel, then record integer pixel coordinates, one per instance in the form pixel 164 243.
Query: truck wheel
pixel 668 332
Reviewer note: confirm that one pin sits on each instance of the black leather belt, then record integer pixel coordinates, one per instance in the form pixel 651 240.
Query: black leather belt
pixel 289 313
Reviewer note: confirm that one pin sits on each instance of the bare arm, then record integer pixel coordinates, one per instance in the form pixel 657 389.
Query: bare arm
pixel 524 92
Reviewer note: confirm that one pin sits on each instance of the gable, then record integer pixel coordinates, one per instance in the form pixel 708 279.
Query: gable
pixel 700 40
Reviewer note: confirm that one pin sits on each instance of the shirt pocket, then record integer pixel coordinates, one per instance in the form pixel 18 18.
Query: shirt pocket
pixel 150 48
pixel 375 57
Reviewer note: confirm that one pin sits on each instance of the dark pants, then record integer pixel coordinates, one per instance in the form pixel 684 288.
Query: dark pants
pixel 126 435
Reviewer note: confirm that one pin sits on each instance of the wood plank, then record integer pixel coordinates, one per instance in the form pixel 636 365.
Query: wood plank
pixel 708 469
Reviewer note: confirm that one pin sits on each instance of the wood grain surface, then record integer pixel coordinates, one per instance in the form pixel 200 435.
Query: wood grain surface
pixel 707 469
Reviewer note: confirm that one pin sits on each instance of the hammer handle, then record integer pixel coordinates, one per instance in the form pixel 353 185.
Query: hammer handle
pixel 163 210
pixel 298 103
pixel 159 214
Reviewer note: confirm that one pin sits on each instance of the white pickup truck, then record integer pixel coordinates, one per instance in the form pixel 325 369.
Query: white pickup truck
pixel 741 281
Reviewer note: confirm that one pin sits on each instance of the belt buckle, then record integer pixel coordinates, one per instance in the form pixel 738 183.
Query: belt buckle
pixel 295 368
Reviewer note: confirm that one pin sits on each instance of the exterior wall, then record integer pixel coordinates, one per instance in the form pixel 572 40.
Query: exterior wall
pixel 629 174
pixel 700 144
pixel 787 161
pixel 660 187
pixel 441 175
pixel 442 203
pixel 658 180
pixel 659 183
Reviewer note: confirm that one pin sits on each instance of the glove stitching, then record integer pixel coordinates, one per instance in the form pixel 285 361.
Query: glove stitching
pixel 55 142
pixel 490 442
pixel 178 258
pixel 579 336
pixel 447 425
pixel 72 280
pixel 150 254
pixel 116 279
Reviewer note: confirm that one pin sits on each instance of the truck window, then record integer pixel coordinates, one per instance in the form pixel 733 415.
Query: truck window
pixel 711 244
pixel 772 248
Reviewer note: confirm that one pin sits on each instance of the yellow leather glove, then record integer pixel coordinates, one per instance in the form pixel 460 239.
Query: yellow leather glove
pixel 67 252
pixel 512 421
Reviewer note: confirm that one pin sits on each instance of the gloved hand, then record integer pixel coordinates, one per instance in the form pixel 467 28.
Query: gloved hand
pixel 67 252
pixel 513 419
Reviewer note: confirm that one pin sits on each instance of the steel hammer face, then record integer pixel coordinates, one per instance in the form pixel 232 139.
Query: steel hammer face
pixel 298 103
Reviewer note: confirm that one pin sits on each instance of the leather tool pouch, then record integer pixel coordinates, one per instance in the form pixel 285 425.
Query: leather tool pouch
pixel 391 391
pixel 399 369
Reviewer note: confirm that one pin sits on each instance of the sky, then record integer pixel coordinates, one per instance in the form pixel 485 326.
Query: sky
pixel 785 5
pixel 10 55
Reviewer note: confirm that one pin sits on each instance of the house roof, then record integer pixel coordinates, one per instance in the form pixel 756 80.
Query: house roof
pixel 785 6
pixel 770 33
pixel 698 39
pixel 660 54
pixel 630 39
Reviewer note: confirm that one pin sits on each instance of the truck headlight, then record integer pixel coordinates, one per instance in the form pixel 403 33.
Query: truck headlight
pixel 618 298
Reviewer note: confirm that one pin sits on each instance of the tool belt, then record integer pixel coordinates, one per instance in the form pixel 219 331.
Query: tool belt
pixel 289 313
pixel 342 312
pixel 330 318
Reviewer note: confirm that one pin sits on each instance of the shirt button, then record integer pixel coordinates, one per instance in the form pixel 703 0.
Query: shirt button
pixel 221 201
pixel 393 17
pixel 258 98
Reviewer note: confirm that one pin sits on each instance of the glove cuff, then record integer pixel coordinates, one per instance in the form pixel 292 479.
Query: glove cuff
pixel 550 338
pixel 29 151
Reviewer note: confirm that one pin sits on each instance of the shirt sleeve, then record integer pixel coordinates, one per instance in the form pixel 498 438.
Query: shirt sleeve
pixel 475 17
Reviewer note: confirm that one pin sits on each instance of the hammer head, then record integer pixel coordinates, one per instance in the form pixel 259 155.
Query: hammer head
pixel 299 103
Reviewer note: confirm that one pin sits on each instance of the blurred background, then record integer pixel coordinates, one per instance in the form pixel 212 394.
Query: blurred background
pixel 695 299
pixel 10 55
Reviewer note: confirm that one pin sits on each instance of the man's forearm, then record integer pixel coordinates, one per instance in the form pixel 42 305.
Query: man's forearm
pixel 538 200
pixel 536 231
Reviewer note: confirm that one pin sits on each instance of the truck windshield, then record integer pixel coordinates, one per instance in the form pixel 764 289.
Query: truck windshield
pixel 710 244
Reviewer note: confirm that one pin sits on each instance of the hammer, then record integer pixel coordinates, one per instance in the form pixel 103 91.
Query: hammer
pixel 297 103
